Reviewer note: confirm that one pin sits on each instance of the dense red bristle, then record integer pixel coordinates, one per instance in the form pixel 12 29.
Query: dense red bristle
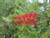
pixel 27 18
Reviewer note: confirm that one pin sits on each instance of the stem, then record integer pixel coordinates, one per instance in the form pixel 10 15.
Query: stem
pixel 28 30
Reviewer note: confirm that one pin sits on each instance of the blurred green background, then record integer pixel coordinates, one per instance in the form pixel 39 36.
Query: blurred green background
pixel 11 8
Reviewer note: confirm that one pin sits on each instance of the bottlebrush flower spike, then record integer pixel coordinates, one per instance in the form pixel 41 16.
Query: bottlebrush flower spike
pixel 23 17
pixel 21 22
pixel 26 15
pixel 15 18
pixel 26 22
pixel 27 18
pixel 31 21
pixel 18 17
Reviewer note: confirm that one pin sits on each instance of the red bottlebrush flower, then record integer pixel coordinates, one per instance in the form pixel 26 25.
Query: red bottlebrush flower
pixel 32 21
pixel 29 15
pixel 36 22
pixel 26 15
pixel 34 15
pixel 23 17
pixel 18 17
pixel 28 19
pixel 15 18
pixel 15 22
pixel 26 22
pixel 21 22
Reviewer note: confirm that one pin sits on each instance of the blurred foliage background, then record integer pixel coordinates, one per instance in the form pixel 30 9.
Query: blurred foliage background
pixel 11 8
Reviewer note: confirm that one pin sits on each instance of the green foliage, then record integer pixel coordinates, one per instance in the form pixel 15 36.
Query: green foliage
pixel 11 8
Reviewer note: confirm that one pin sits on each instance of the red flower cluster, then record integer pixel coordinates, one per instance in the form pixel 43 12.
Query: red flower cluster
pixel 27 18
